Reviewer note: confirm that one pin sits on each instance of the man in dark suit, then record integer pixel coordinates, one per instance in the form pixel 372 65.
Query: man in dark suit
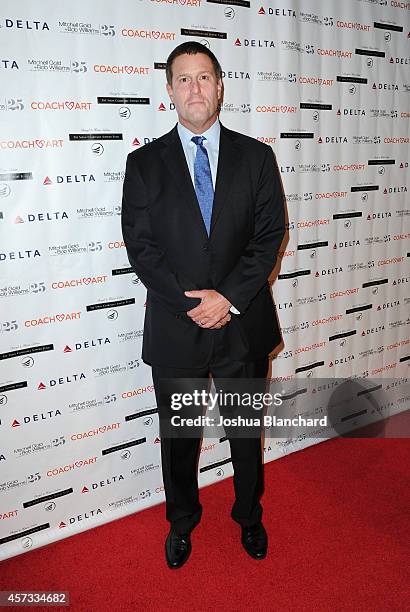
pixel 203 220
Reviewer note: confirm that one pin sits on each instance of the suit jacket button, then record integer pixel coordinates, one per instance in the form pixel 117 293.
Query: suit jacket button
pixel 206 248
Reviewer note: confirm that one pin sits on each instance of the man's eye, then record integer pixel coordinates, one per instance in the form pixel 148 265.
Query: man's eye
pixel 205 77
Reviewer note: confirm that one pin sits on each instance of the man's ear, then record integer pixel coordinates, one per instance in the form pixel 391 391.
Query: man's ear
pixel 170 92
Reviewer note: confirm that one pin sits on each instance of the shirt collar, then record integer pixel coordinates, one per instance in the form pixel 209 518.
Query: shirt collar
pixel 211 134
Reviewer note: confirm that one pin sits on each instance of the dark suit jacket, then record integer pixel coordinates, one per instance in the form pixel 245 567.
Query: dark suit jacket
pixel 170 251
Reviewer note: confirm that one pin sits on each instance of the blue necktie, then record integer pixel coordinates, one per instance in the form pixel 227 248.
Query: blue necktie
pixel 203 181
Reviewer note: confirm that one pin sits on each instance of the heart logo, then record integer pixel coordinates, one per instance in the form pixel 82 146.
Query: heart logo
pixel 60 317
pixel 70 105
pixel 87 281
pixel 156 34
pixel 40 143
pixel 128 69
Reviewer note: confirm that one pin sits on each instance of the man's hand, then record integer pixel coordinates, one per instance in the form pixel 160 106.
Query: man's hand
pixel 212 311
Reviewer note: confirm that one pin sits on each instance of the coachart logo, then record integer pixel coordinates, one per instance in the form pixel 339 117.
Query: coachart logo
pixel 19 24
pixel 315 80
pixel 79 282
pixel 48 216
pixel 38 143
pixel 8 64
pixel 36 417
pixel 115 69
pixel 65 105
pixel 254 42
pixel 148 34
pixel 334 53
pixel 86 344
pixel 61 381
pixel 276 108
pixel 353 25
pixel 69 178
pixel 54 318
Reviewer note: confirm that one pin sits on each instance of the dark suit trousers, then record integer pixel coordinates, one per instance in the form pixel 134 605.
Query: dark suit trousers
pixel 180 455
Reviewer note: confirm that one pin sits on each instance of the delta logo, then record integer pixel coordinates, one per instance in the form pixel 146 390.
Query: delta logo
pixel 277 12
pixel 387 305
pixel 20 24
pixel 103 483
pixel 69 178
pixel 346 244
pixel 332 140
pixel 139 142
pixel 65 105
pixel 379 215
pixel 61 381
pixel 254 42
pixel 86 344
pixel 399 60
pixel 163 107
pixel 372 330
pixel 361 112
pixel 385 86
pixel 340 361
pixel 48 216
pixel 80 517
pixel 389 190
pixel 147 34
pixel 42 416
pixel 8 64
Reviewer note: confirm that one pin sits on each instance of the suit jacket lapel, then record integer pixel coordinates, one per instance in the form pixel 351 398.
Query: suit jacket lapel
pixel 175 161
pixel 228 163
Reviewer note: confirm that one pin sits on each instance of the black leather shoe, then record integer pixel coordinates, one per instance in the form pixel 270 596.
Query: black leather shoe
pixel 177 549
pixel 255 541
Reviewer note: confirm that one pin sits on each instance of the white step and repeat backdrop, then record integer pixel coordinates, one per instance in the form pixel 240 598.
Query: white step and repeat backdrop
pixel 327 85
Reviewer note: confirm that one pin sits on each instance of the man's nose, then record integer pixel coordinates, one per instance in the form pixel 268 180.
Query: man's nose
pixel 195 87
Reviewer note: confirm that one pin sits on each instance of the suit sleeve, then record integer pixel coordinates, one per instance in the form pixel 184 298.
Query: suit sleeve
pixel 253 268
pixel 145 255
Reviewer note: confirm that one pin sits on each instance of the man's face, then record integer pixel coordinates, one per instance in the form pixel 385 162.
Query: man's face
pixel 195 91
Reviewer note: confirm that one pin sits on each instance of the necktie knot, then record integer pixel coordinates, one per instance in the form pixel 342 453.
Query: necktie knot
pixel 198 140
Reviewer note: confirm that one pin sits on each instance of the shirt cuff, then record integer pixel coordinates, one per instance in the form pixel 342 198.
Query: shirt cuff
pixel 234 310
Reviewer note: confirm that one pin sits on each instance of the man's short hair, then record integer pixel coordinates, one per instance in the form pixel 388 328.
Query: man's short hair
pixel 191 48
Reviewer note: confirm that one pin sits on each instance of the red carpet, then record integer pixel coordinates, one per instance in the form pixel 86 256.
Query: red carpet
pixel 337 515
